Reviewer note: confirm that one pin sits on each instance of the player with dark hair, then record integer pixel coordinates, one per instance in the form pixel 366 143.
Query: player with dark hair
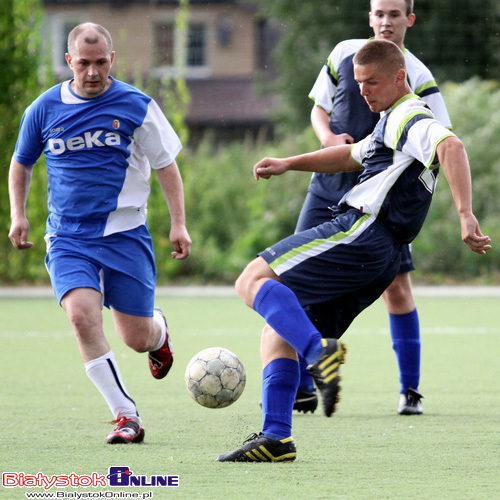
pixel 356 254
pixel 339 116
pixel 100 138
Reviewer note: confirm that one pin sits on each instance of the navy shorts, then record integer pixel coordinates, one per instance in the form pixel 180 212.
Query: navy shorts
pixel 316 211
pixel 121 266
pixel 338 268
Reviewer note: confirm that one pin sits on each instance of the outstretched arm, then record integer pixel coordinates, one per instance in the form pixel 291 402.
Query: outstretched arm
pixel 19 186
pixel 326 161
pixel 171 185
pixel 453 159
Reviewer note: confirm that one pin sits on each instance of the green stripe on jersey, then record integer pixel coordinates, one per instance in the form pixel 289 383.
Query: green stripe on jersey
pixel 308 247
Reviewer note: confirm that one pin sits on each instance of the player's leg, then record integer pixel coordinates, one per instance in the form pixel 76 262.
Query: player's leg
pixel 280 380
pixel 130 279
pixel 147 334
pixel 83 307
pixel 77 280
pixel 315 210
pixel 405 334
pixel 259 288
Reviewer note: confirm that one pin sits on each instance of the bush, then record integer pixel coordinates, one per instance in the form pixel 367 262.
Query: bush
pixel 231 217
pixel 438 252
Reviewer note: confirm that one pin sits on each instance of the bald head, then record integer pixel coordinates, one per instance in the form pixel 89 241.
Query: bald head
pixel 88 33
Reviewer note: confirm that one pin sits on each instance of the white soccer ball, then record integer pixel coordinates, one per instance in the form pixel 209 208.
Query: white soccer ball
pixel 215 377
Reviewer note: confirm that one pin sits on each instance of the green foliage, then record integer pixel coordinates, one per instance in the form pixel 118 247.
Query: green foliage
pixel 19 85
pixel 230 216
pixel 457 39
pixel 437 251
pixel 309 32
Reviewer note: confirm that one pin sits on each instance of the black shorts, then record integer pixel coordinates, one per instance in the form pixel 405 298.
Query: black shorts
pixel 339 267
pixel 316 210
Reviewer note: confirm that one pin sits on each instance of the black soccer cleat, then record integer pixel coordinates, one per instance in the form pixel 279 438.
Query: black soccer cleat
pixel 325 373
pixel 258 448
pixel 409 403
pixel 306 401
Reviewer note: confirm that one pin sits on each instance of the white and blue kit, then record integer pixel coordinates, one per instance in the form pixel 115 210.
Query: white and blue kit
pixel 99 154
pixel 337 92
pixel 348 261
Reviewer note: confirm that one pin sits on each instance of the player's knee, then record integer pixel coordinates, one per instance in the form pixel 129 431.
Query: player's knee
pixel 243 285
pixel 83 321
pixel 138 343
pixel 252 278
pixel 399 295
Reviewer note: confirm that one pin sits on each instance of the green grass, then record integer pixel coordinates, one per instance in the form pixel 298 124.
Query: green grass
pixel 51 414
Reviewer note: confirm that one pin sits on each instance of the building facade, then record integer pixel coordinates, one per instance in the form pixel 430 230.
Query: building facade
pixel 220 53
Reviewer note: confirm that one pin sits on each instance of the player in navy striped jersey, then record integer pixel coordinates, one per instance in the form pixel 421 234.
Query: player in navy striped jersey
pixel 340 115
pixel 355 255
pixel 101 138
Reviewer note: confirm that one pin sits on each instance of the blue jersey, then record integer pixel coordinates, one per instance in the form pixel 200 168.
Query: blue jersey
pixel 400 168
pixel 99 154
pixel 337 92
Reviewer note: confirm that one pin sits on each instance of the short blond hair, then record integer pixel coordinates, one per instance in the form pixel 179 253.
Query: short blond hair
pixel 409 7
pixel 381 52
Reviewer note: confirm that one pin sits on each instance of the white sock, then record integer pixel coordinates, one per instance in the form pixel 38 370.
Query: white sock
pixel 105 375
pixel 158 319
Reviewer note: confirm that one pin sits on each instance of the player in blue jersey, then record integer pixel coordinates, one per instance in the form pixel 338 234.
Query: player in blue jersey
pixel 356 254
pixel 340 115
pixel 101 138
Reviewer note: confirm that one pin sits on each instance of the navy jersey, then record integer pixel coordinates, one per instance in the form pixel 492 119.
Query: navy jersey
pixel 99 154
pixel 400 168
pixel 337 92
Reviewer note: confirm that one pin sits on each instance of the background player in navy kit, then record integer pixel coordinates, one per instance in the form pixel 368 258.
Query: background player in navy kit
pixel 339 116
pixel 101 137
pixel 356 254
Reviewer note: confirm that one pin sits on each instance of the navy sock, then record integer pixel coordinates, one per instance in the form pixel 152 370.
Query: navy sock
pixel 279 306
pixel 280 380
pixel 306 381
pixel 405 333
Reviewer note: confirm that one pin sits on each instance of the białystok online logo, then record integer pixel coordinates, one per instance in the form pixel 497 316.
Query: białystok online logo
pixel 121 477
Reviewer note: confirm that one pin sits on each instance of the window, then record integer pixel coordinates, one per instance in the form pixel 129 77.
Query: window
pixel 196 45
pixel 166 46
pixel 56 29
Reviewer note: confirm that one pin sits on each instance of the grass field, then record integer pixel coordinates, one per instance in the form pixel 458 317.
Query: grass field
pixel 51 415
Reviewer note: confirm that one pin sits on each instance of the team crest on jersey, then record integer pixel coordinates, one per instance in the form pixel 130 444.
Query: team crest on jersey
pixel 116 124
pixel 370 150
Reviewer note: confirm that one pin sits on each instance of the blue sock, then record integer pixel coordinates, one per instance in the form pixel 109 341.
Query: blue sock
pixel 279 306
pixel 280 380
pixel 306 381
pixel 405 333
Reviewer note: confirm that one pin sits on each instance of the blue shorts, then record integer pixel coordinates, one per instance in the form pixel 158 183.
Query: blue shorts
pixel 338 268
pixel 121 266
pixel 316 211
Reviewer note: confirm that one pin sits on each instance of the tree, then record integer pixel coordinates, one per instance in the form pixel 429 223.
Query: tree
pixel 19 60
pixel 457 39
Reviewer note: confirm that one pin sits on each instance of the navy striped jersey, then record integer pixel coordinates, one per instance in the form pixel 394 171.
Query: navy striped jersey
pixel 400 167
pixel 337 92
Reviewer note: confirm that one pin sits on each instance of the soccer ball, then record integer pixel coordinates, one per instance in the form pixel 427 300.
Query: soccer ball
pixel 215 377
